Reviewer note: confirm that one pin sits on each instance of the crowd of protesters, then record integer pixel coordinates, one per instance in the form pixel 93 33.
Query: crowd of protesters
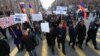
pixel 28 35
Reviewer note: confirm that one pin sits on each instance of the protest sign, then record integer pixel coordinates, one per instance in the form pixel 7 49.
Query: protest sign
pixel 45 27
pixel 37 17
pixel 20 18
pixel 61 8
pixel 59 12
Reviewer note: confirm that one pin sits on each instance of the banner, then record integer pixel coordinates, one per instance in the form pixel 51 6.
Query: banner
pixel 45 27
pixel 9 21
pixel 20 18
pixel 2 23
pixel 37 17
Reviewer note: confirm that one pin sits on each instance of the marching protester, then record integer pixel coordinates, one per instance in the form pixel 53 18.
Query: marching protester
pixel 16 34
pixel 64 27
pixel 61 37
pixel 51 39
pixel 81 32
pixel 4 48
pixel 3 31
pixel 28 41
pixel 37 32
pixel 92 32
pixel 73 33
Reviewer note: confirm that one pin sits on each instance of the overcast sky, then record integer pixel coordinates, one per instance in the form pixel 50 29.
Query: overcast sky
pixel 46 3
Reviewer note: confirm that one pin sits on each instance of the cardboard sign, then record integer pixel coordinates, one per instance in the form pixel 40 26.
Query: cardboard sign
pixel 45 27
pixel 37 17
pixel 20 18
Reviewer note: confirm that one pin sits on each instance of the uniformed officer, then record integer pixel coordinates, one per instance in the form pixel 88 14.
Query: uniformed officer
pixel 93 28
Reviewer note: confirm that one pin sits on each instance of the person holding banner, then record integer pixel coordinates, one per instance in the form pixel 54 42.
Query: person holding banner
pixel 16 34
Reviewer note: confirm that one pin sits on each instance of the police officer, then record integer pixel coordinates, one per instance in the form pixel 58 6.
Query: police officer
pixel 93 28
pixel 81 31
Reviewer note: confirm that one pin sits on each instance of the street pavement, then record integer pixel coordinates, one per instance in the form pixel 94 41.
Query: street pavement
pixel 43 50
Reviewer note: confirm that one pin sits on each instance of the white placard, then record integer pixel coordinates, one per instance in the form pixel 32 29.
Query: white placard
pixel 59 12
pixel 37 17
pixel 49 12
pixel 20 18
pixel 61 8
pixel 45 27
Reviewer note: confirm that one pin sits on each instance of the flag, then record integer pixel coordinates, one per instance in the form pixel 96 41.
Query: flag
pixel 31 9
pixel 22 6
pixel 82 7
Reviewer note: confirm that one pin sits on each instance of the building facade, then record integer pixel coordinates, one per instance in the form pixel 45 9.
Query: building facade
pixel 13 6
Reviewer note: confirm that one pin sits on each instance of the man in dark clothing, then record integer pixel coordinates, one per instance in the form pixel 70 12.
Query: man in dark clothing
pixel 51 39
pixel 4 48
pixel 73 34
pixel 93 28
pixel 61 37
pixel 81 30
pixel 29 44
pixel 3 31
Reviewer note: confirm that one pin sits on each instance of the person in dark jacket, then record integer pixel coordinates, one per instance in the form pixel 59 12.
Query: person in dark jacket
pixel 29 44
pixel 92 32
pixel 61 37
pixel 3 31
pixel 4 48
pixel 73 34
pixel 81 31
pixel 16 34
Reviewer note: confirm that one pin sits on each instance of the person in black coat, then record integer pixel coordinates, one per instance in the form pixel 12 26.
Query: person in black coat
pixel 3 31
pixel 51 38
pixel 81 30
pixel 16 34
pixel 61 37
pixel 92 32
pixel 4 48
pixel 73 34
pixel 28 41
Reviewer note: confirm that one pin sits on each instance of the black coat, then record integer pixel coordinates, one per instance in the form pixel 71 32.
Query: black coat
pixel 93 28
pixel 4 48
pixel 72 31
pixel 81 30
pixel 30 42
